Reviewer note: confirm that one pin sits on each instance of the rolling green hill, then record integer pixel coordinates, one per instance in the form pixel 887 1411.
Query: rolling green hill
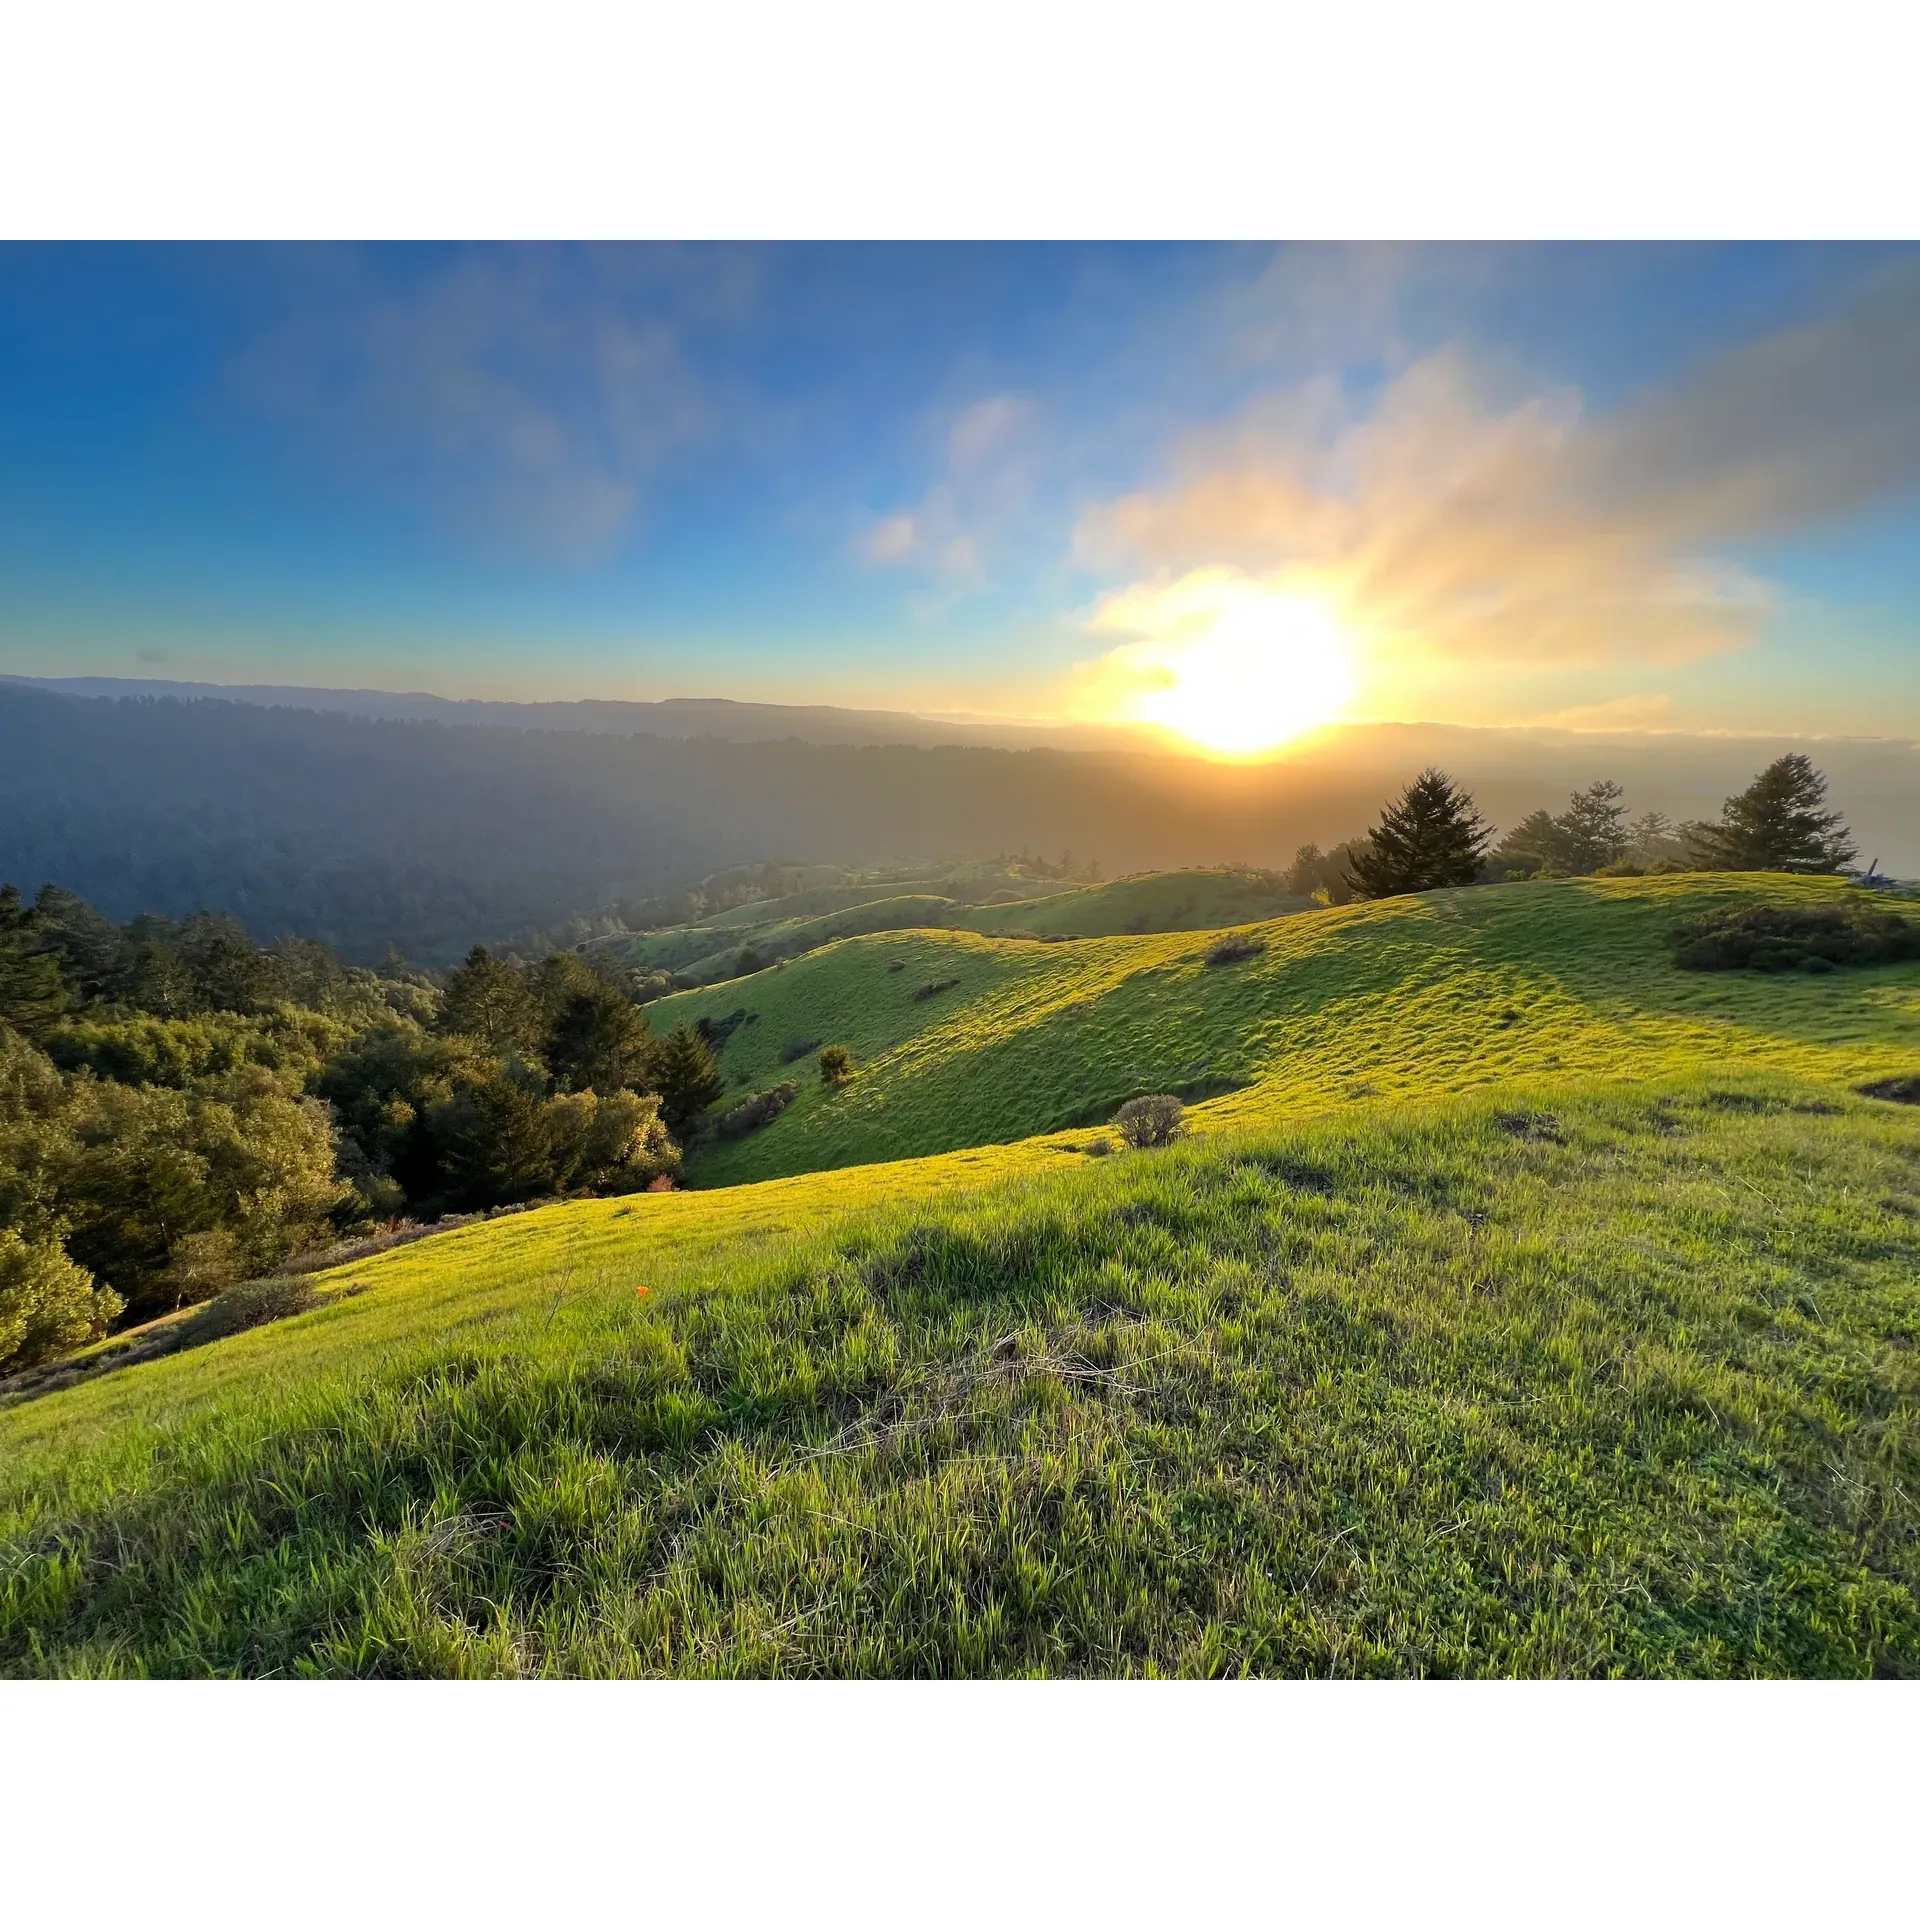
pixel 711 950
pixel 1408 998
pixel 1532 1307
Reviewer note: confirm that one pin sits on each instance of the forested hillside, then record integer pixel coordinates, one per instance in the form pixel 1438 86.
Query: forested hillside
pixel 371 833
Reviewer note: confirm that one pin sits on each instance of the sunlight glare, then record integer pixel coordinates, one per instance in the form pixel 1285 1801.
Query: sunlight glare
pixel 1265 669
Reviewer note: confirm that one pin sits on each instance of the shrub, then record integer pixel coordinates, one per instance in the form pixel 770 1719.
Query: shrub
pixel 896 966
pixel 1231 947
pixel 47 1304
pixel 929 988
pixel 756 1112
pixel 799 1049
pixel 1774 939
pixel 836 1066
pixel 1152 1120
pixel 1098 1147
pixel 254 1303
pixel 749 961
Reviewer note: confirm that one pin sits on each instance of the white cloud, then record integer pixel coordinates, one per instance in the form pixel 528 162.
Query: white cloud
pixel 894 538
pixel 1450 524
pixel 526 396
pixel 987 481
pixel 984 427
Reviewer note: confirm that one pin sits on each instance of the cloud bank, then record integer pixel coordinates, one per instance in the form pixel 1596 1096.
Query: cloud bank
pixel 1453 526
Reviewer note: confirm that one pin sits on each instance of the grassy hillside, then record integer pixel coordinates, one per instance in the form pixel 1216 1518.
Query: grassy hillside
pixel 1533 1308
pixel 710 950
pixel 1397 999
pixel 1617 1382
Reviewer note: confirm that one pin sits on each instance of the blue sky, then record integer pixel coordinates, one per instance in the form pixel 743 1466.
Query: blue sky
pixel 1601 486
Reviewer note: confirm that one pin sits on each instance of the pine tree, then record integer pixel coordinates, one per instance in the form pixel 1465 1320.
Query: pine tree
pixel 492 1001
pixel 1777 825
pixel 1594 827
pixel 32 993
pixel 1432 836
pixel 686 1076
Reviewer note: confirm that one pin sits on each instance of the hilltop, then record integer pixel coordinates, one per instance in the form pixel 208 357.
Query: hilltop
pixel 1528 1305
pixel 1416 997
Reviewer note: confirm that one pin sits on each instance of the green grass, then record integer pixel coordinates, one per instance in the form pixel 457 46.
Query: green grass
pixel 1616 1382
pixel 782 929
pixel 1531 1307
pixel 1396 1000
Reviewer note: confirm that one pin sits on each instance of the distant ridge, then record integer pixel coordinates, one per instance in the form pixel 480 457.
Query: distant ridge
pixel 682 719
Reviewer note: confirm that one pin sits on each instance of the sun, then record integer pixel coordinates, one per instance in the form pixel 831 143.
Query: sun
pixel 1257 669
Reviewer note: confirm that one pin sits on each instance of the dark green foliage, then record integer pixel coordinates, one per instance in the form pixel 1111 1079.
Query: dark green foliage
pixel 504 1141
pixel 1780 824
pixel 1773 939
pixel 492 1002
pixel 1592 834
pixel 159 1140
pixel 757 1111
pixel 1432 836
pixel 686 1076
pixel 32 993
pixel 836 1066
pixel 1314 873
pixel 799 1049
pixel 1152 1120
pixel 927 989
pixel 595 1038
pixel 749 961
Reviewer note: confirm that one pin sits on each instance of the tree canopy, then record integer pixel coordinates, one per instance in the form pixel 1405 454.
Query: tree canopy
pixel 1432 836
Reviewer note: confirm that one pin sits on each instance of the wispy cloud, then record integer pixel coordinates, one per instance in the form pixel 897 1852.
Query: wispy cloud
pixel 987 477
pixel 526 396
pixel 1449 522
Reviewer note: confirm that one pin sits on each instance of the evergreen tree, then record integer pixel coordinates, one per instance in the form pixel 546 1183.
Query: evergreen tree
pixel 1591 834
pixel 32 994
pixel 1535 846
pixel 686 1076
pixel 1777 825
pixel 1432 836
pixel 492 1001
pixel 596 1038
pixel 1594 828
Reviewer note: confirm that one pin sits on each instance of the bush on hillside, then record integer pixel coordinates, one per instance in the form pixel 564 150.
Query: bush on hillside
pixel 756 1112
pixel 1232 947
pixel 836 1066
pixel 254 1303
pixel 799 1049
pixel 1152 1120
pixel 929 988
pixel 1773 939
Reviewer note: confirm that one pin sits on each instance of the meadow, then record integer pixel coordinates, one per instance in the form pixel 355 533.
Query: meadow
pixel 1529 1306
pixel 1391 1000
pixel 1015 905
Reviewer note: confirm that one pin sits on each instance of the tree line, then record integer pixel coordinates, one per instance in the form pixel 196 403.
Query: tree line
pixel 1434 835
pixel 182 1110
